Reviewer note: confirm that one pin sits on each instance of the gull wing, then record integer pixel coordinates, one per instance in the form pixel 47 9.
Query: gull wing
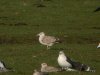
pixel 49 39
pixel 52 69
pixel 77 65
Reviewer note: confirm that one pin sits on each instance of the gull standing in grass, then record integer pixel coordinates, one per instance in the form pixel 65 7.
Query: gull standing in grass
pixel 47 40
pixel 46 68
pixel 98 46
pixel 70 65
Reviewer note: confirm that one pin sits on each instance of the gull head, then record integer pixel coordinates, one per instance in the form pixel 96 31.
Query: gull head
pixel 41 34
pixel 61 52
pixel 44 65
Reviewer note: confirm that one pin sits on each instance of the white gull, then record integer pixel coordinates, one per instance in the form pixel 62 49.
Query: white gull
pixel 70 65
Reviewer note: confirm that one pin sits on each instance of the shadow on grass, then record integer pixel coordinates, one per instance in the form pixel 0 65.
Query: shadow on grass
pixel 32 39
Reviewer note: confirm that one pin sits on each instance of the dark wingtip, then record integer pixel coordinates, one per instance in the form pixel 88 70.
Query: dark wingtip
pixel 97 9
pixel 92 70
pixel 58 40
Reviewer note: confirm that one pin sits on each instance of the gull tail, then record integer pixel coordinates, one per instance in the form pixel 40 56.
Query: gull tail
pixel 89 69
pixel 58 40
pixel 86 68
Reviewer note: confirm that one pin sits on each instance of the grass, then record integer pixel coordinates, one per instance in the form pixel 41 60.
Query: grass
pixel 73 21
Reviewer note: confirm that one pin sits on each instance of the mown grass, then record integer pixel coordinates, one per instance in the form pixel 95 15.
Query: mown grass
pixel 73 21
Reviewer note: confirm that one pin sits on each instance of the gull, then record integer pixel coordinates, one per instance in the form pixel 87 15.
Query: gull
pixel 39 73
pixel 3 68
pixel 70 65
pixel 46 68
pixel 47 40
pixel 98 45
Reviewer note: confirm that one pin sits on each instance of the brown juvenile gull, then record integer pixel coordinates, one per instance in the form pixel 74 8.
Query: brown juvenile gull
pixel 39 73
pixel 47 40
pixel 46 68
pixel 70 65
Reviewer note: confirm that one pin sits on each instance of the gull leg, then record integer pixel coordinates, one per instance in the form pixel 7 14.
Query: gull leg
pixel 48 47
pixel 62 69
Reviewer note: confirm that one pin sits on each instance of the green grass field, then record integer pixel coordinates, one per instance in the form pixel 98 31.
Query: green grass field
pixel 73 21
